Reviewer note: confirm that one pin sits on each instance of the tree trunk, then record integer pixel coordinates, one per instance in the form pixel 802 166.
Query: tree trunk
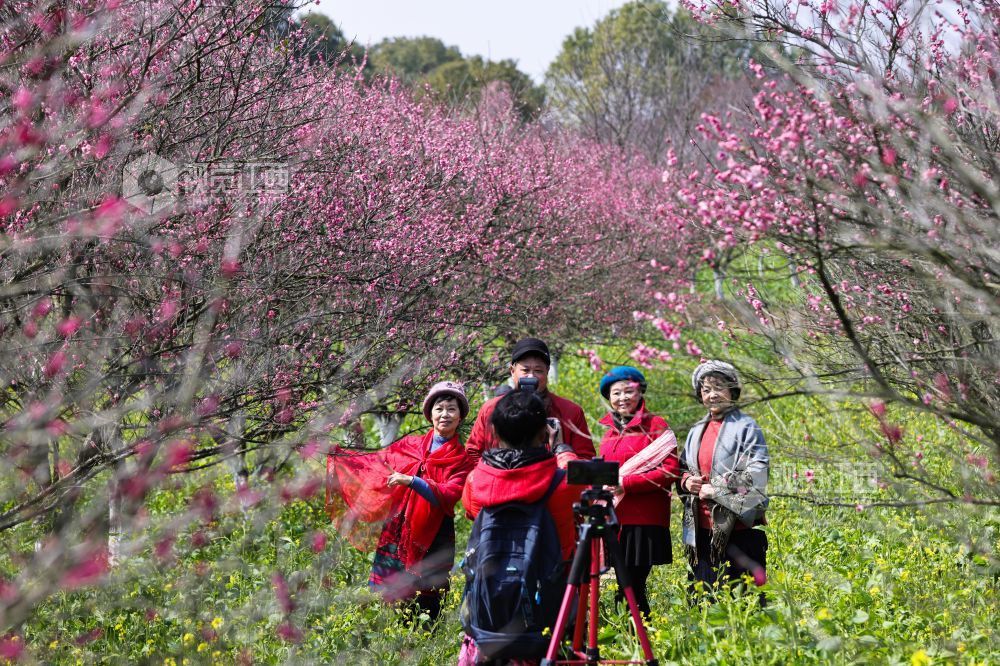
pixel 554 369
pixel 388 424
pixel 118 514
pixel 717 279
pixel 356 434
pixel 116 519
pixel 238 462
pixel 54 460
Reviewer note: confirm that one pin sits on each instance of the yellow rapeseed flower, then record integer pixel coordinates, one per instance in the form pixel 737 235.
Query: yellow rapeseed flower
pixel 920 658
pixel 823 614
pixel 201 647
pixel 187 638
pixel 216 623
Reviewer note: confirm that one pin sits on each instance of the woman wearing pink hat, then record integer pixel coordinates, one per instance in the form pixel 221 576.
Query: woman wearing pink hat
pixel 411 486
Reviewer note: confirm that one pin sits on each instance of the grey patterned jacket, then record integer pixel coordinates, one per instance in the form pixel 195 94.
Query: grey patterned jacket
pixel 740 465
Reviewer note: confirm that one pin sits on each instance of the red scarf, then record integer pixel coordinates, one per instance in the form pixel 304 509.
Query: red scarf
pixel 359 502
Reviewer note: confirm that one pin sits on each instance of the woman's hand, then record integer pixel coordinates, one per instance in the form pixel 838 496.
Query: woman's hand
pixel 694 484
pixel 618 490
pixel 399 479
pixel 706 491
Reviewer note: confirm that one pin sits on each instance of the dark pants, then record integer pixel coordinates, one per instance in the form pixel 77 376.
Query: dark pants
pixel 638 576
pixel 433 583
pixel 746 553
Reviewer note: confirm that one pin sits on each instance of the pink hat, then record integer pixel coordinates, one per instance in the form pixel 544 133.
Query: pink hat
pixel 451 389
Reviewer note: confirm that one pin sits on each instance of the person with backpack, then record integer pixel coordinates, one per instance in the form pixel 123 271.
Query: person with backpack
pixel 404 496
pixel 647 451
pixel 523 534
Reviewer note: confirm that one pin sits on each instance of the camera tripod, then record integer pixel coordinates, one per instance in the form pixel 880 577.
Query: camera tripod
pixel 599 526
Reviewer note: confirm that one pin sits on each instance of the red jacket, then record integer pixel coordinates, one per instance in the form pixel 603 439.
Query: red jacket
pixel 570 415
pixel 489 486
pixel 647 496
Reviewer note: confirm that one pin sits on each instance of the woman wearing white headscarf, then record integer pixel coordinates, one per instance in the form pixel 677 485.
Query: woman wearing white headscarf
pixel 726 467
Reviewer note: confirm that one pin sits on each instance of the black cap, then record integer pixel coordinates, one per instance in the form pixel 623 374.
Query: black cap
pixel 527 346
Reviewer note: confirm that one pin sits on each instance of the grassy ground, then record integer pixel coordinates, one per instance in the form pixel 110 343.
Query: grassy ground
pixel 876 585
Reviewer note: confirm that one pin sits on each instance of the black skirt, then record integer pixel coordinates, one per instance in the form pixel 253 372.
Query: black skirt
pixel 435 569
pixel 646 545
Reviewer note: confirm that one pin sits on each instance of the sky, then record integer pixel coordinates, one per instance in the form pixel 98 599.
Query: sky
pixel 528 31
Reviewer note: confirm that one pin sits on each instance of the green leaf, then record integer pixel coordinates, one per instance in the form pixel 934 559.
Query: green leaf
pixel 830 644
pixel 772 632
pixel 844 585
pixel 860 617
pixel 717 616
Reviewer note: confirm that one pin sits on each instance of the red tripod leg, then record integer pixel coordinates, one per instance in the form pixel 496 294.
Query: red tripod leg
pixel 560 627
pixel 574 585
pixel 640 627
pixel 581 619
pixel 617 558
pixel 593 652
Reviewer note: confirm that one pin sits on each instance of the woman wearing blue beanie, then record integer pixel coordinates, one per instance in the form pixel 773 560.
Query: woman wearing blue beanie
pixel 646 450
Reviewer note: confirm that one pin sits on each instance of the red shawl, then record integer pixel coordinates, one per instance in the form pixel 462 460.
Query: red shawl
pixel 359 502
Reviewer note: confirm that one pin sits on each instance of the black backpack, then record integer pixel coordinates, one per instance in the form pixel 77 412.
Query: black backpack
pixel 514 578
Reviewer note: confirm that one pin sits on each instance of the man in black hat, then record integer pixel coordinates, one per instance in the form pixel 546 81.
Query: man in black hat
pixel 531 359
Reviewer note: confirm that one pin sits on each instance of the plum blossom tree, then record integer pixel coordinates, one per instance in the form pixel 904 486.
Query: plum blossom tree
pixel 218 251
pixel 865 172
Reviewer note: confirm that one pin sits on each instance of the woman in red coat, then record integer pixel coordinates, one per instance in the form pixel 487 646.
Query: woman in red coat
pixel 646 449
pixel 407 491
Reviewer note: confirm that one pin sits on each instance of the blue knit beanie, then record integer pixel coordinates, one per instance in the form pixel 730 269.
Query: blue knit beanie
pixel 621 373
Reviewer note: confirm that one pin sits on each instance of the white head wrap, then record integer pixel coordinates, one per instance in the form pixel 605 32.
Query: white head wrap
pixel 721 367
